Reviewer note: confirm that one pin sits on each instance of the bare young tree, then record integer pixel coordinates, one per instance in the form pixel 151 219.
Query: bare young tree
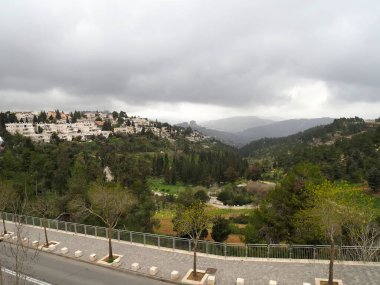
pixel 109 202
pixel 8 197
pixel 45 207
pixel 192 221
pixel 328 215
pixel 365 237
pixel 18 257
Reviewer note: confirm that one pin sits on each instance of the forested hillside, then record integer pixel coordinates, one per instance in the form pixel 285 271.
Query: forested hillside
pixel 346 149
pixel 308 168
pixel 64 172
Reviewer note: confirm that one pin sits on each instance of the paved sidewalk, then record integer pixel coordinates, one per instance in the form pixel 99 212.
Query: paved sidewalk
pixel 253 271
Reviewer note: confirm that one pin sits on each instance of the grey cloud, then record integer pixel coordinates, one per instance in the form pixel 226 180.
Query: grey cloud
pixel 207 52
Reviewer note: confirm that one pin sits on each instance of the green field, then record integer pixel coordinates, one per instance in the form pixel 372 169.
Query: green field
pixel 158 184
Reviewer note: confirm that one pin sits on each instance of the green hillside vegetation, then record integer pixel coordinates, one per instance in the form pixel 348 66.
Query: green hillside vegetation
pixel 65 171
pixel 280 216
pixel 339 161
pixel 347 149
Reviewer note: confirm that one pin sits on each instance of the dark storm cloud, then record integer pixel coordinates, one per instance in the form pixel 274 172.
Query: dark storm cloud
pixel 220 53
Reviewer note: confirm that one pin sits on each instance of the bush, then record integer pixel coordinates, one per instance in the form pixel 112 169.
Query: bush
pixel 241 219
pixel 220 230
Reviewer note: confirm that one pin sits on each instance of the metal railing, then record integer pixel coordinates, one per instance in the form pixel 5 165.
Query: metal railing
pixel 284 251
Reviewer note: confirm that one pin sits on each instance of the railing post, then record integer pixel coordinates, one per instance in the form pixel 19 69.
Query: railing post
pixel 75 228
pixel 107 233
pixel 85 230
pixel 96 231
pixel 225 250
pixel 130 237
pixel 144 238
pixel 207 248
pixel 40 222
pixel 173 243
pixel 314 252
pixel 56 225
pixel 33 221
pixel 290 249
pixel 189 244
pixel 118 235
pixel 65 226
pixel 246 251
pixel 159 244
pixel 268 251
pixel 340 253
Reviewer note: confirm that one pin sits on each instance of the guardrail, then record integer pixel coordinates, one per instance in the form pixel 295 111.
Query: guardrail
pixel 285 251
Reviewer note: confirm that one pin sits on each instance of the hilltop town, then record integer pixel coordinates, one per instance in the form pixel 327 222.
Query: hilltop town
pixel 85 125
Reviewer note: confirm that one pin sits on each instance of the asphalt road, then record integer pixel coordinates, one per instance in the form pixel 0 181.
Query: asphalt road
pixel 63 271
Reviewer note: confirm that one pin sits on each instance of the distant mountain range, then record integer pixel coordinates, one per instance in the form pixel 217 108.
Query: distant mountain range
pixel 236 124
pixel 241 133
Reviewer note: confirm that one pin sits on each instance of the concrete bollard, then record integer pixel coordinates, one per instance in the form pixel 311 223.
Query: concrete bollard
pixel 64 250
pixel 92 257
pixel 35 243
pixel 272 282
pixel 211 280
pixel 153 270
pixel 174 275
pixel 135 266
pixel 78 253
pixel 240 281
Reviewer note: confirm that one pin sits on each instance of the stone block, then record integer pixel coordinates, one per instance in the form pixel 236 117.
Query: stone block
pixel 304 283
pixel 116 262
pixel 211 280
pixel 35 243
pixel 153 270
pixel 272 282
pixel 240 281
pixel 78 253
pixel 135 266
pixel 174 275
pixel 25 241
pixel 92 257
pixel 52 247
pixel 64 250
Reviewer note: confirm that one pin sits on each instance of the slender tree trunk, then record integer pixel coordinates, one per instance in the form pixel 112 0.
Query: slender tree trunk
pixel 331 265
pixel 5 229
pixel 195 258
pixel 46 238
pixel 110 255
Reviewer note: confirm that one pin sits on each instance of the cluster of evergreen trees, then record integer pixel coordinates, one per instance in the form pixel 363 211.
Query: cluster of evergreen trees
pixel 199 168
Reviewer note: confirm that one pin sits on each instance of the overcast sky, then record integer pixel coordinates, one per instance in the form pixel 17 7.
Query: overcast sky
pixel 180 60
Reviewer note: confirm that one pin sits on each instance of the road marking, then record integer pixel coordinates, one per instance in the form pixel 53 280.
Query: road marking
pixel 27 278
